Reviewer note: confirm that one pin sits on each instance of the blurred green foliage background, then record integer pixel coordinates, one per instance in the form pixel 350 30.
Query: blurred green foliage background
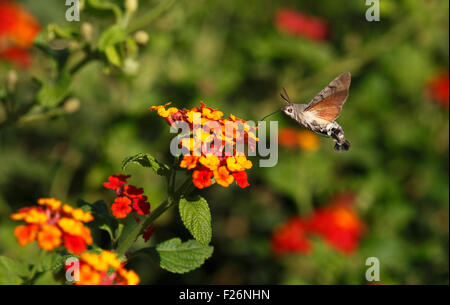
pixel 230 54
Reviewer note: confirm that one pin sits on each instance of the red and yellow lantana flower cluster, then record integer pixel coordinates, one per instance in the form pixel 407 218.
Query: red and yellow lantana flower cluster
pixel 337 224
pixel 104 269
pixel 213 154
pixel 17 31
pixel 129 198
pixel 54 224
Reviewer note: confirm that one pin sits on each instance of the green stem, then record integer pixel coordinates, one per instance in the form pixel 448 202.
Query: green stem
pixel 90 56
pixel 150 16
pixel 40 116
pixel 118 233
pixel 34 270
pixel 127 241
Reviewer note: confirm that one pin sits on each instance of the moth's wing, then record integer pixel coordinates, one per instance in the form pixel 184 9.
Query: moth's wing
pixel 327 105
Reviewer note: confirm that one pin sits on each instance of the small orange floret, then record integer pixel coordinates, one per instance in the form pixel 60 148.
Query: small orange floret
pixel 308 140
pixel 121 207
pixel 202 178
pixel 88 276
pixel 189 162
pixel 26 234
pixel 50 202
pixel 210 161
pixel 49 237
pixel 223 177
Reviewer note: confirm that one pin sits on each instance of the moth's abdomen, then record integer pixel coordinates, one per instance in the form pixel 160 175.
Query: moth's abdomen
pixel 336 132
pixel 344 146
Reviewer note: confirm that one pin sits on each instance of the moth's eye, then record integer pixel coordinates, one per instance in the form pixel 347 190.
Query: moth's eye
pixel 290 110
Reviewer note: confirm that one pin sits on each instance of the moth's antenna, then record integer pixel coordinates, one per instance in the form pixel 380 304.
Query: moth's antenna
pixel 285 96
pixel 270 114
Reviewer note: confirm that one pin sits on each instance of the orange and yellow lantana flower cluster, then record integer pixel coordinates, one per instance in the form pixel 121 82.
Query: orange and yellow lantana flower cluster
pixel 54 224
pixel 212 153
pixel 104 269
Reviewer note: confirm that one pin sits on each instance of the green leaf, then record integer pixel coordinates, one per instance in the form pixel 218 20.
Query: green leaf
pixel 178 257
pixel 113 56
pixel 11 271
pixel 46 278
pixel 54 262
pixel 147 160
pixel 111 36
pixel 196 217
pixel 102 217
pixel 53 92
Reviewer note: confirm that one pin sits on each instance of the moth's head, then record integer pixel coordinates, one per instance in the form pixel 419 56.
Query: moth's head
pixel 288 110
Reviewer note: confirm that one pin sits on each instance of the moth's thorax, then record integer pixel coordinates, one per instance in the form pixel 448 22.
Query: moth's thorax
pixel 293 110
pixel 307 119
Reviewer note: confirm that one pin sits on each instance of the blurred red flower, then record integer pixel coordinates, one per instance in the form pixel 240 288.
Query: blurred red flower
pixel 437 88
pixel 339 225
pixel 18 56
pixel 287 137
pixel 290 237
pixel 298 24
pixel 17 31
pixel 336 223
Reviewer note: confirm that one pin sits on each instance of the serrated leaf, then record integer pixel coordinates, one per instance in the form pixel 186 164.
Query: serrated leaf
pixel 53 92
pixel 196 217
pixel 178 257
pixel 11 271
pixel 147 160
pixel 111 36
pixel 102 217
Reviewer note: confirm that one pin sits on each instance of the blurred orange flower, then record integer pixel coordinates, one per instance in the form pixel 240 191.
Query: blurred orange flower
pixel 104 269
pixel 291 137
pixel 307 140
pixel 17 31
pixel 298 24
pixel 437 88
pixel 54 224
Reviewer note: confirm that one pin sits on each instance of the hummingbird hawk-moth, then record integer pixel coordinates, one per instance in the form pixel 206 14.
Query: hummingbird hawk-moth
pixel 320 114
